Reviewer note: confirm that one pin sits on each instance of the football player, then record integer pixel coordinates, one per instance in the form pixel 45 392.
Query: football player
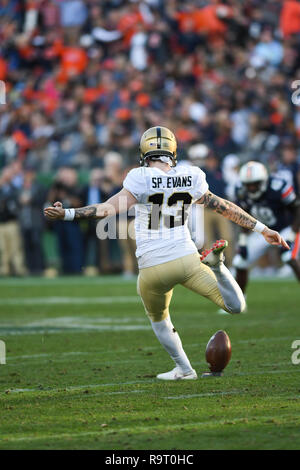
pixel 273 201
pixel 163 194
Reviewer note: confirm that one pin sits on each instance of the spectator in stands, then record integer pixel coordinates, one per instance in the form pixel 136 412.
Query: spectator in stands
pixel 94 249
pixel 289 165
pixel 72 13
pixel 230 172
pixel 267 51
pixel 215 227
pixel 114 169
pixel 11 248
pixel 31 198
pixel 66 190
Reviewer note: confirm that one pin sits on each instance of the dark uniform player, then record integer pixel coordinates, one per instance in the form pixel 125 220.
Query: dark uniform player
pixel 271 200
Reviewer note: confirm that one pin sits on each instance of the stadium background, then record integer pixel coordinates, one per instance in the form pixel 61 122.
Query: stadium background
pixel 84 79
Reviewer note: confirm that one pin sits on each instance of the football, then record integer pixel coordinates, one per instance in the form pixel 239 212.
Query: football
pixel 218 352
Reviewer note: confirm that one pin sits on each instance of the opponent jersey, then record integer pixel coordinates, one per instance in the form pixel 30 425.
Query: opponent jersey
pixel 272 207
pixel 161 215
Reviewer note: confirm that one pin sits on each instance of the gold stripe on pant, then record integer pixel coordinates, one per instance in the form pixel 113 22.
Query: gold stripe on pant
pixel 155 284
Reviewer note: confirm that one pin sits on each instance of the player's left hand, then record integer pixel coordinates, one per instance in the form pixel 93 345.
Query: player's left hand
pixel 274 238
pixel 55 212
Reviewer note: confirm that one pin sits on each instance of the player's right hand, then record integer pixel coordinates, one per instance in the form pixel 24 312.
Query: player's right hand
pixel 274 238
pixel 55 212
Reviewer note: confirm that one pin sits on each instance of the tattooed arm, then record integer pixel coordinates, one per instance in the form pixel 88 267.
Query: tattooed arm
pixel 237 215
pixel 228 209
pixel 120 202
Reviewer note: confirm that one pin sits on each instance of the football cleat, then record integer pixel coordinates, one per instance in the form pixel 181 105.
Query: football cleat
pixel 221 311
pixel 214 255
pixel 178 374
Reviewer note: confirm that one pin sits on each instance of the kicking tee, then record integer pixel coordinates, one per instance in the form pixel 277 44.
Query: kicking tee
pixel 161 215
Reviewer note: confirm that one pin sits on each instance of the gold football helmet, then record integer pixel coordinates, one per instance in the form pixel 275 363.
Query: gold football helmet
pixel 158 141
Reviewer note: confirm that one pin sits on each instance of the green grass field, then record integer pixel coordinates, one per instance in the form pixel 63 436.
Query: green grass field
pixel 82 360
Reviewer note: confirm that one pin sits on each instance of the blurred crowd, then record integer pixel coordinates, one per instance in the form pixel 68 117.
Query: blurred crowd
pixel 84 79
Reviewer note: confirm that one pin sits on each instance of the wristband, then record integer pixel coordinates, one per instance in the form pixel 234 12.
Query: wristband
pixel 259 227
pixel 69 214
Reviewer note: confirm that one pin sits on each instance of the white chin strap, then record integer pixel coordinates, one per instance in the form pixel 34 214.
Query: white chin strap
pixel 163 159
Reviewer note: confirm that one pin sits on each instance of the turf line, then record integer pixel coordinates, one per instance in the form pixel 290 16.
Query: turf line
pixel 144 348
pixel 102 280
pixel 133 382
pixel 67 300
pixel 39 328
pixel 28 331
pixel 208 394
pixel 74 388
pixel 244 420
pixel 66 280
pixel 45 359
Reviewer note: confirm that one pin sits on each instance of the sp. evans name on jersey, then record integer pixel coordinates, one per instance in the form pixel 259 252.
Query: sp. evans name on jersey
pixel 171 182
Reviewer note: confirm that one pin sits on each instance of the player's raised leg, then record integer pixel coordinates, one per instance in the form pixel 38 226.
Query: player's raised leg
pixel 156 296
pixel 213 280
pixel 230 290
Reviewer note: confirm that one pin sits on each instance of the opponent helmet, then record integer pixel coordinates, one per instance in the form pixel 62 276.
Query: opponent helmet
pixel 254 178
pixel 157 142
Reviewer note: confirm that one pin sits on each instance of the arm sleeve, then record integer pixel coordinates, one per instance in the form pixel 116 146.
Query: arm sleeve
pixel 288 195
pixel 135 183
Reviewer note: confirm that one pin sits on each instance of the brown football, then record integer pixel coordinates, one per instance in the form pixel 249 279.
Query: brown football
pixel 218 351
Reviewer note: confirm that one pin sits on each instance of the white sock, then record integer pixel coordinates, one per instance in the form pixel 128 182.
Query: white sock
pixel 231 292
pixel 169 338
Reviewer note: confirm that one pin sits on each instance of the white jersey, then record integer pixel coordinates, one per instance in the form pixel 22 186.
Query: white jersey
pixel 161 215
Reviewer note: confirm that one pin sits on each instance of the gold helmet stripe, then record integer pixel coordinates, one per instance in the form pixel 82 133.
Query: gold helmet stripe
pixel 158 133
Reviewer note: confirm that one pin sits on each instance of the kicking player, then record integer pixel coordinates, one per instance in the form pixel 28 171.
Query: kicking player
pixel 163 194
pixel 273 201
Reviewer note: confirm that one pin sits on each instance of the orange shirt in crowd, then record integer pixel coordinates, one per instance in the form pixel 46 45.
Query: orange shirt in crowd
pixel 93 94
pixel 73 62
pixel 290 18
pixel 203 20
pixel 127 25
pixel 3 69
pixel 186 21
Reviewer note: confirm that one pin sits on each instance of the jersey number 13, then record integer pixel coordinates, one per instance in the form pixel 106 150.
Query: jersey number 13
pixel 170 221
